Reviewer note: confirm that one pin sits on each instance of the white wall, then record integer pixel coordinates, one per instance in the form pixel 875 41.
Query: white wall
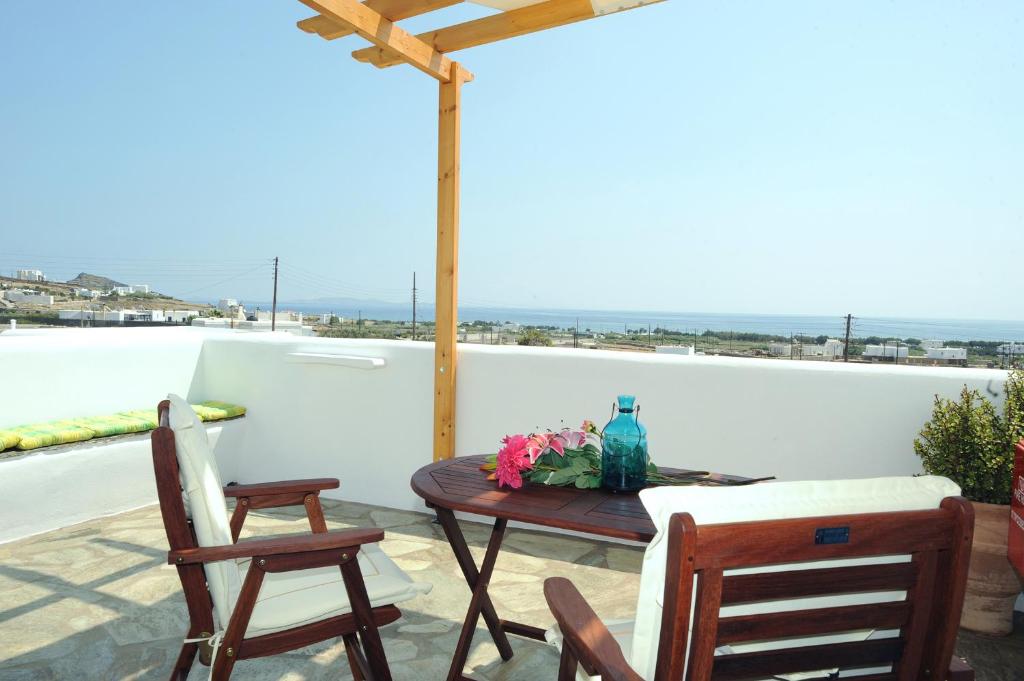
pixel 312 416
pixel 794 420
pixel 372 428
pixel 64 373
pixel 54 488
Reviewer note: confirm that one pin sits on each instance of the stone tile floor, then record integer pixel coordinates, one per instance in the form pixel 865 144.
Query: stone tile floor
pixel 97 601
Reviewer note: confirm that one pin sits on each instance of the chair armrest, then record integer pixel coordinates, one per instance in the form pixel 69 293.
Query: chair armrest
pixel 959 670
pixel 278 546
pixel 585 633
pixel 283 487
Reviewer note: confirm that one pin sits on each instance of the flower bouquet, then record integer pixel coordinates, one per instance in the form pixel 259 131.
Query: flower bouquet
pixel 566 458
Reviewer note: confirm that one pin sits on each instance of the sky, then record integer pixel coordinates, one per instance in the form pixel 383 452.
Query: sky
pixel 747 157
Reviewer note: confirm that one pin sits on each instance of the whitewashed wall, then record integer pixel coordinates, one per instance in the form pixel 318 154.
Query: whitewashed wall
pixel 371 427
pixel 54 374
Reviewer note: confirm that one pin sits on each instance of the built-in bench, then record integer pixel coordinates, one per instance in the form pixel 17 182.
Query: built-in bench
pixel 53 433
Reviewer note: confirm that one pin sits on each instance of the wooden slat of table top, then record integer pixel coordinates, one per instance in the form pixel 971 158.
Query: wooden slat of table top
pixel 460 485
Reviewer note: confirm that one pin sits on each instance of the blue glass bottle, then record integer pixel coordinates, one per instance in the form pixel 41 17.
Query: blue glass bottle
pixel 624 449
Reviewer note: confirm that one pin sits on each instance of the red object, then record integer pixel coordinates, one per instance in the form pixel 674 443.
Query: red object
pixel 1016 541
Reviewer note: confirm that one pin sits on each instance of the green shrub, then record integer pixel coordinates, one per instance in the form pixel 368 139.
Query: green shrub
pixel 534 337
pixel 967 441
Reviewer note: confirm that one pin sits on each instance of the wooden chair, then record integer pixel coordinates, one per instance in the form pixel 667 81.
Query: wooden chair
pixel 905 631
pixel 262 597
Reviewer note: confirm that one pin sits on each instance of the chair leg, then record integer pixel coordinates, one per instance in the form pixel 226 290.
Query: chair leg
pixel 356 659
pixel 184 662
pixel 368 634
pixel 567 665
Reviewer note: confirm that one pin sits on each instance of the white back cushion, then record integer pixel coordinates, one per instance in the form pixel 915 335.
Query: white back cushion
pixel 765 501
pixel 204 494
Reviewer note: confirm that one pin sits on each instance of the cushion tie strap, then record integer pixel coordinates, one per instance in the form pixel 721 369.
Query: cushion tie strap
pixel 214 642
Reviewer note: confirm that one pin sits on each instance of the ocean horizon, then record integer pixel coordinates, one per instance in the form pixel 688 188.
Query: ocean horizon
pixel 602 321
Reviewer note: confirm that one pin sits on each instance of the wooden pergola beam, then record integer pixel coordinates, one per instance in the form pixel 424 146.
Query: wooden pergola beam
pixel 392 10
pixel 489 29
pixel 387 35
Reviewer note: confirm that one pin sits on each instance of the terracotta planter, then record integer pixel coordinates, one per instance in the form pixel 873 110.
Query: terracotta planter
pixel 992 584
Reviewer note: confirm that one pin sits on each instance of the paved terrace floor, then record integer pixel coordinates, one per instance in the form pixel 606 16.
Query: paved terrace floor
pixel 97 601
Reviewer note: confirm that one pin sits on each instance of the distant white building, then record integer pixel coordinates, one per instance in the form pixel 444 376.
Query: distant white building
pixel 834 348
pixel 179 316
pixel 887 351
pixel 780 349
pixel 926 344
pixel 30 275
pixel 947 354
pixel 325 318
pixel 87 293
pixel 139 288
pixel 28 297
pixel 675 349
pixel 119 316
pixel 831 348
pixel 225 304
pixel 121 290
pixel 1014 349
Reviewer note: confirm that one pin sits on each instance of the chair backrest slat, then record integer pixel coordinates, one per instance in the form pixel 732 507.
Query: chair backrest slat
pixel 807 658
pixel 746 544
pixel 909 562
pixel 774 586
pixel 769 625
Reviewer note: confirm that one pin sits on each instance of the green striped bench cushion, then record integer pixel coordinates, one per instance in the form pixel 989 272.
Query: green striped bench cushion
pixel 8 438
pixel 212 410
pixel 37 435
pixel 117 424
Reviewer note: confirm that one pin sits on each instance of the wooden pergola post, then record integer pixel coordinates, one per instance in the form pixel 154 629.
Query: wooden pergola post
pixel 390 44
pixel 449 115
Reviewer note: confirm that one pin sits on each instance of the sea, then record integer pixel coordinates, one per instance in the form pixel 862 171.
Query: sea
pixel 602 321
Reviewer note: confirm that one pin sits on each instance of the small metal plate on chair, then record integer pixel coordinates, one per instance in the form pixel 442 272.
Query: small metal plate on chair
pixel 832 535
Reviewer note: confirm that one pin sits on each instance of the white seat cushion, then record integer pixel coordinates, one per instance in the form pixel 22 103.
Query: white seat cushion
pixel 289 599
pixel 621 631
pixel 204 501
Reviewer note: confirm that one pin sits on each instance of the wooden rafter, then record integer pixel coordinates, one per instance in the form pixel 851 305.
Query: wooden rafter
pixel 489 29
pixel 392 10
pixel 387 35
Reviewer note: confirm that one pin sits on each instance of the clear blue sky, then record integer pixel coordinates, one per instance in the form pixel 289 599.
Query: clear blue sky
pixel 771 156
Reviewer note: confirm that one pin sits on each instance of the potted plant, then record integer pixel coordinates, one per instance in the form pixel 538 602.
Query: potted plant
pixel 968 441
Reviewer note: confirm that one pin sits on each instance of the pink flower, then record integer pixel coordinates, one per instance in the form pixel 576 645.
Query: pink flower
pixel 512 460
pixel 574 439
pixel 536 445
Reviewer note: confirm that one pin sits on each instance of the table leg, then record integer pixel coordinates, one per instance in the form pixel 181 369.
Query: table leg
pixel 478 581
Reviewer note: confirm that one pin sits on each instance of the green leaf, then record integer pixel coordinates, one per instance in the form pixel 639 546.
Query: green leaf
pixel 563 476
pixel 580 466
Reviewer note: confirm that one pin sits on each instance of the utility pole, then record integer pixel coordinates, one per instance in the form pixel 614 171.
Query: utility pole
pixel 414 305
pixel 648 334
pixel 576 334
pixel 846 345
pixel 273 309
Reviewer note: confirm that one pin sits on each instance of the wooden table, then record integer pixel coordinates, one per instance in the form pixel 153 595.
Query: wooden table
pixel 459 485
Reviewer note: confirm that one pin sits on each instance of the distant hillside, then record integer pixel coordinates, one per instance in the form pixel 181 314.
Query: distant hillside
pixel 94 282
